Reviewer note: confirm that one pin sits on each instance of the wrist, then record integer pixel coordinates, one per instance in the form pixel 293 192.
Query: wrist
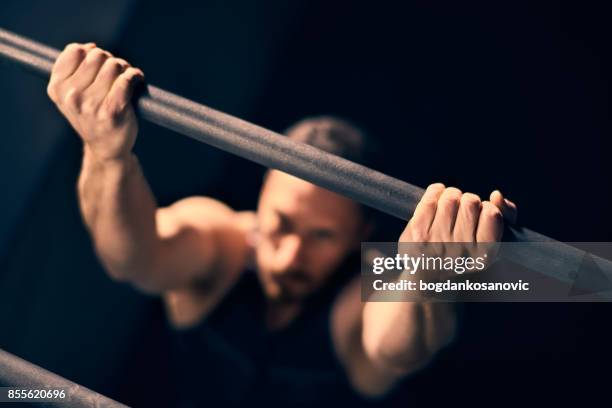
pixel 91 157
pixel 110 168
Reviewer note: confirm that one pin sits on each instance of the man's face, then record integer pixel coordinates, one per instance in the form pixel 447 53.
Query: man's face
pixel 305 233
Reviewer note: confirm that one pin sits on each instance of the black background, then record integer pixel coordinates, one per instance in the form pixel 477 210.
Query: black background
pixel 482 95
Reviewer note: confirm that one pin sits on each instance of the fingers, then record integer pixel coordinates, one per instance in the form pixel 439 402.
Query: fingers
pixel 122 90
pixel 86 73
pixel 85 77
pixel 484 221
pixel 97 92
pixel 507 207
pixel 69 60
pixel 66 65
pixel 490 223
pixel 425 212
pixel 75 69
pixel 446 215
pixel 467 218
pixel 443 224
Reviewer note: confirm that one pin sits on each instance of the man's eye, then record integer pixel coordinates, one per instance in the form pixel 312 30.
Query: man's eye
pixel 322 234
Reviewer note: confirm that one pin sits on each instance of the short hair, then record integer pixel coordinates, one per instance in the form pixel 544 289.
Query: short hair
pixel 337 136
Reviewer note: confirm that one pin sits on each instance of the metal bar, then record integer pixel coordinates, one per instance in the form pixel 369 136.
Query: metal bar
pixel 17 372
pixel 270 149
pixel 244 139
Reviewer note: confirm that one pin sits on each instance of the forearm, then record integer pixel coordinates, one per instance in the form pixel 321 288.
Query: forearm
pixel 153 249
pixel 119 211
pixel 403 336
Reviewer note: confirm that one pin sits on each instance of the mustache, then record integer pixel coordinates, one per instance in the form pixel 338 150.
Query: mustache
pixel 296 275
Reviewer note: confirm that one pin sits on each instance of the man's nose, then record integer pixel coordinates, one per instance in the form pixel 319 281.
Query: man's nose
pixel 290 253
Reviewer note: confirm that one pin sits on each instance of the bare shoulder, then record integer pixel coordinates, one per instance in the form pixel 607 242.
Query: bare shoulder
pixel 216 225
pixel 205 215
pixel 197 212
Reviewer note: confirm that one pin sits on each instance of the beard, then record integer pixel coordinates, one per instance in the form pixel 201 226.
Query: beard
pixel 288 287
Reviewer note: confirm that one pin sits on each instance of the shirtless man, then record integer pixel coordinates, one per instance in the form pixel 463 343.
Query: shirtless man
pixel 194 254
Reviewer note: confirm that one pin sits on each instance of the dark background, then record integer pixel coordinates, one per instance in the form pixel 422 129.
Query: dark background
pixel 478 94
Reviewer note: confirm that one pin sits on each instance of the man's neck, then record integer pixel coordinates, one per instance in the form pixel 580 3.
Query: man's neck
pixel 280 314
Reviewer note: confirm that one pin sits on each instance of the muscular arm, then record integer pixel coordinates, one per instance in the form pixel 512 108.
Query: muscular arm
pixel 380 343
pixel 155 249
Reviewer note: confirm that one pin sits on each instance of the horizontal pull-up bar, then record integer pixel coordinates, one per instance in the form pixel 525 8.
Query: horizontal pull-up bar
pixel 270 149
pixel 20 374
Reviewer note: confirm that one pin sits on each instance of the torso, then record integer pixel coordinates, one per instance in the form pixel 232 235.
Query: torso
pixel 231 356
pixel 223 336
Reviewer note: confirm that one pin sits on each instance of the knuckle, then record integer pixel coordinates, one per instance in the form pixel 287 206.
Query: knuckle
pixel 453 191
pixel 76 52
pixel 126 79
pixel 103 115
pixel 71 52
pixel 429 203
pixel 418 235
pixel 122 62
pixel 72 46
pixel 414 233
pixel 109 110
pixel 470 199
pixel 436 186
pixel 491 211
pixel 52 91
pixel 451 194
pixel 130 72
pixel 96 54
pixel 405 236
pixel 72 98
pixel 113 65
pixel 410 232
pixel 118 62
pixel 88 106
